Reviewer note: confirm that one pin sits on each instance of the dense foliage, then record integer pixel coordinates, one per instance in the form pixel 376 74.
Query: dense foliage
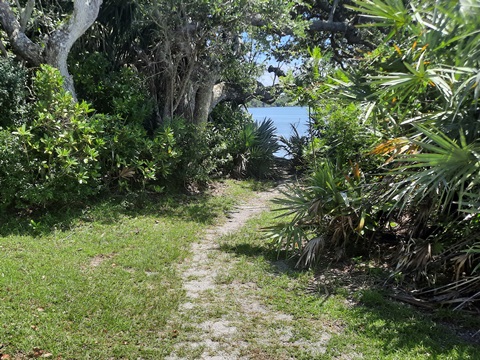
pixel 12 93
pixel 64 154
pixel 398 163
pixel 137 111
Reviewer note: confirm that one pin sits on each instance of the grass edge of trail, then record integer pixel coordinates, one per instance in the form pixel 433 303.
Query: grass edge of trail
pixel 106 286
pixel 102 282
pixel 363 324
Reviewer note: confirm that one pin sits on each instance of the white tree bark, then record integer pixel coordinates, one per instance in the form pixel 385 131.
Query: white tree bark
pixel 203 101
pixel 59 43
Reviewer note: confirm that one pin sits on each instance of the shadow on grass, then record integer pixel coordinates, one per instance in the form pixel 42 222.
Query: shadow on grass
pixel 279 262
pixel 371 318
pixel 400 328
pixel 202 208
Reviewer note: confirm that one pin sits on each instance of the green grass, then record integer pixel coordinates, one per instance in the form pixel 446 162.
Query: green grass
pixel 100 282
pixel 365 324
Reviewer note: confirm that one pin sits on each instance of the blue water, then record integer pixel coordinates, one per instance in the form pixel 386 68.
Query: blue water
pixel 283 117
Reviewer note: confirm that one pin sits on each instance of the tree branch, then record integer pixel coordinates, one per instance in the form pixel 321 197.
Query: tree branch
pixel 233 93
pixel 332 11
pixel 317 25
pixel 22 45
pixel 330 26
pixel 276 70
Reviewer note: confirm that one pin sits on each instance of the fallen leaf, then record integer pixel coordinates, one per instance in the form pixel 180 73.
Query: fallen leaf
pixel 5 357
pixel 37 352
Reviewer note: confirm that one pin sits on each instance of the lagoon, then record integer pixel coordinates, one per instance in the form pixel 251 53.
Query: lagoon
pixel 283 118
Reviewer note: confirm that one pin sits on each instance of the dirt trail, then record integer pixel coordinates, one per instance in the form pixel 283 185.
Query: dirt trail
pixel 228 320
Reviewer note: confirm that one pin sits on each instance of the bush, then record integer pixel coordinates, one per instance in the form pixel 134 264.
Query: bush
pixel 14 171
pixel 256 146
pixel 12 93
pixel 341 137
pixel 329 213
pixel 65 155
pixel 131 159
pixel 227 124
pixel 203 151
pixel 121 93
pixel 295 146
pixel 54 158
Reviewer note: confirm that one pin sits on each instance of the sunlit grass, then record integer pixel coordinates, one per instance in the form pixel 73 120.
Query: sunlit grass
pixel 364 324
pixel 101 281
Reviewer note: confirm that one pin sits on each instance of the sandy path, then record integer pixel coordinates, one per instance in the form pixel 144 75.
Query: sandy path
pixel 214 321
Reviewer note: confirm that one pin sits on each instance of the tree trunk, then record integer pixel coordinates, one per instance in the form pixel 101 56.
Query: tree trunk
pixel 59 43
pixel 203 101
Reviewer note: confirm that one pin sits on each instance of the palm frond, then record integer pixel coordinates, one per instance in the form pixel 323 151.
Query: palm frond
pixel 446 170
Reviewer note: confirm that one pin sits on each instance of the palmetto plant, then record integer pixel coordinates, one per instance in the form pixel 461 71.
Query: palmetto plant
pixel 295 147
pixel 445 170
pixel 328 212
pixel 256 149
pixel 430 68
pixel 427 79
pixel 422 87
pixel 436 82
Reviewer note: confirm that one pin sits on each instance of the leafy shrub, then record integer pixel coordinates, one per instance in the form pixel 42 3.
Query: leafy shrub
pixel 132 159
pixel 227 123
pixel 121 93
pixel 65 155
pixel 341 135
pixel 14 171
pixel 54 158
pixel 12 93
pixel 199 152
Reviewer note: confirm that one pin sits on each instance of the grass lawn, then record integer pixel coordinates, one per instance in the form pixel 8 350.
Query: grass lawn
pixel 362 324
pixel 102 283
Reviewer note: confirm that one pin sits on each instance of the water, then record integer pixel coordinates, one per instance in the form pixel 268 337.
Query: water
pixel 283 117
